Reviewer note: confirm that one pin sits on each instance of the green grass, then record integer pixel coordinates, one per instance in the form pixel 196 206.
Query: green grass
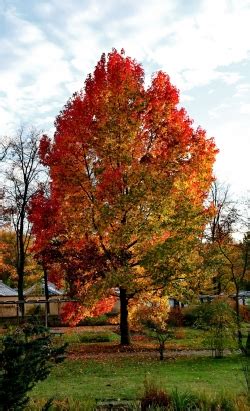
pixel 89 337
pixel 85 381
pixel 192 339
pixel 123 378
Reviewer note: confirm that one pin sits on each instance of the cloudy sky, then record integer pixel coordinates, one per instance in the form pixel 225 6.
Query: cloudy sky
pixel 48 47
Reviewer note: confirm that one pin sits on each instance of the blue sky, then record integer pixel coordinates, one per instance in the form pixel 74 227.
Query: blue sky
pixel 48 47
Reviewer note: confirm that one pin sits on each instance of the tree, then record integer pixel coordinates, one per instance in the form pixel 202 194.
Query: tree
pixel 218 318
pixel 22 172
pixel 8 258
pixel 236 259
pixel 150 314
pixel 228 256
pixel 125 163
pixel 224 222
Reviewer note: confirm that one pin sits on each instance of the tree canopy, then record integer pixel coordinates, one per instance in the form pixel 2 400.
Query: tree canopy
pixel 129 175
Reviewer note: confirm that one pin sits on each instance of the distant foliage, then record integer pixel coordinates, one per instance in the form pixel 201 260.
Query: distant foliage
pixel 219 319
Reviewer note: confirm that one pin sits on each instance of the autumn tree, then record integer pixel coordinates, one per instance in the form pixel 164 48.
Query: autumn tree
pixel 150 314
pixel 125 165
pixel 22 172
pixel 8 258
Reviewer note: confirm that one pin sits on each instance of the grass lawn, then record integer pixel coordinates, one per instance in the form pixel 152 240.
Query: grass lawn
pixel 123 377
pixel 95 373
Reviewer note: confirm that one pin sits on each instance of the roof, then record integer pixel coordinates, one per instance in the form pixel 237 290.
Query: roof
pixel 38 289
pixel 6 291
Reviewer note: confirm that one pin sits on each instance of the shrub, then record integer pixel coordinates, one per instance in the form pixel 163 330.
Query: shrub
pixel 182 401
pixel 154 397
pixel 179 333
pixel 245 313
pixel 97 337
pixel 175 317
pixel 26 357
pixel 218 317
pixel 190 315
pixel 100 320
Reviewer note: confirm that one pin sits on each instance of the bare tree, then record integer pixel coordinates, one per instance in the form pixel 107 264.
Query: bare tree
pixel 221 227
pixel 23 176
pixel 236 256
pixel 232 254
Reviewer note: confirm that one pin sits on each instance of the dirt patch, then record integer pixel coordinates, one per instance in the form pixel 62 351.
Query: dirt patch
pixel 113 350
pixel 86 328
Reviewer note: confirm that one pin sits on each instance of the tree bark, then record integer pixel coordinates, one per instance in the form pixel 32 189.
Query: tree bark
pixel 161 350
pixel 124 325
pixel 46 289
pixel 238 320
pixel 20 268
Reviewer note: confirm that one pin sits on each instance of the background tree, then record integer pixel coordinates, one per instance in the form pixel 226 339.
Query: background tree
pixel 228 254
pixel 236 260
pixel 223 225
pixel 22 172
pixel 122 158
pixel 218 318
pixel 8 258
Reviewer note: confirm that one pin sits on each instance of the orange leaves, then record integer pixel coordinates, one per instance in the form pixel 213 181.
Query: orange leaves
pixel 127 169
pixel 111 184
pixel 44 149
pixel 74 312
pixel 104 306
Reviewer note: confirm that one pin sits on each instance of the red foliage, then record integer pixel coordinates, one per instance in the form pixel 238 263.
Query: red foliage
pixel 73 312
pixel 103 306
pixel 120 152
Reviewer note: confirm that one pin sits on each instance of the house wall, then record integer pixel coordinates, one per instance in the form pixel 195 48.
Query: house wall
pixel 55 306
pixel 8 310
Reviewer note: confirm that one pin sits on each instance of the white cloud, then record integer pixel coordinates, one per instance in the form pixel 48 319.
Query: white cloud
pixel 245 109
pixel 47 52
pixel 232 165
pixel 242 90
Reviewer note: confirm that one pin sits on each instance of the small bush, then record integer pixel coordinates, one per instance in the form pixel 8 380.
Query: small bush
pixel 101 320
pixel 190 315
pixel 218 318
pixel 175 317
pixel 90 337
pixel 245 313
pixel 223 403
pixel 26 357
pixel 154 397
pixel 180 334
pixel 182 401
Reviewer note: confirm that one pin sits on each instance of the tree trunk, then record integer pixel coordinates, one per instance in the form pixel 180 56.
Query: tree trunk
pixel 161 350
pixel 247 349
pixel 20 294
pixel 239 333
pixel 20 270
pixel 124 325
pixel 46 289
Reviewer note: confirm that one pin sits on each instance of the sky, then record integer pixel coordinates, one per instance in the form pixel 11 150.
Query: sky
pixel 47 48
